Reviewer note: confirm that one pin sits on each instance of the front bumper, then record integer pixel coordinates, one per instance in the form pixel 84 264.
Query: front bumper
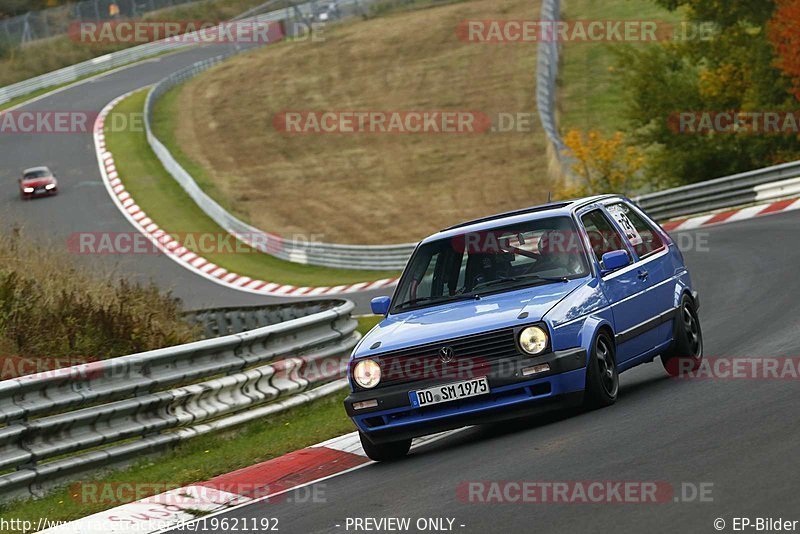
pixel 511 395
pixel 40 193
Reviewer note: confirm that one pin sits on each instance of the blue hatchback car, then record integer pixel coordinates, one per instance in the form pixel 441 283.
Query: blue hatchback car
pixel 518 313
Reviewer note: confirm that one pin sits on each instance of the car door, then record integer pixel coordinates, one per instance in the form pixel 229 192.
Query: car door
pixel 624 288
pixel 654 262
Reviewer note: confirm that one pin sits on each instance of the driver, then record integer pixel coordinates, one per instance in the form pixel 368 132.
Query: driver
pixel 558 253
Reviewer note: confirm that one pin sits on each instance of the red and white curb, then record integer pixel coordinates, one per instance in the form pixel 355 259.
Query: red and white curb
pixel 174 250
pixel 737 214
pixel 266 481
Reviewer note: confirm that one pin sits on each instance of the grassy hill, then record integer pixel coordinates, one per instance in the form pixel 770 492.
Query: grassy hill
pixel 366 188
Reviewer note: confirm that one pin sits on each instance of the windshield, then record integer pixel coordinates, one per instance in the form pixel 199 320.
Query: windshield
pixel 472 264
pixel 35 174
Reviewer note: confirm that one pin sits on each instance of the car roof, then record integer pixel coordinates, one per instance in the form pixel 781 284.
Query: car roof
pixel 36 169
pixel 563 208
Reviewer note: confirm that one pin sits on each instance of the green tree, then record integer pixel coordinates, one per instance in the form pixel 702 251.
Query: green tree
pixel 726 13
pixel 734 71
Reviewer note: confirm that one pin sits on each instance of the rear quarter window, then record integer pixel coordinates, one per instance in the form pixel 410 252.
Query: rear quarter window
pixel 644 238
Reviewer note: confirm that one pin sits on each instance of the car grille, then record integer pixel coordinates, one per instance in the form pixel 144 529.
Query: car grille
pixel 472 356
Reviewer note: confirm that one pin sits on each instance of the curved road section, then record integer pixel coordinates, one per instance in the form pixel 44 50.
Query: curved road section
pixel 713 448
pixel 84 205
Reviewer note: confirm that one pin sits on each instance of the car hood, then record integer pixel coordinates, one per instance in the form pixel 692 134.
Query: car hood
pixel 461 318
pixel 36 182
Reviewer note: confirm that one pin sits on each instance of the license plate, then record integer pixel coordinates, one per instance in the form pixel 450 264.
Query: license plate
pixel 450 392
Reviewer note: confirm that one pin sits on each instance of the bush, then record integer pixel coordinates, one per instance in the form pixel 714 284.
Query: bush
pixel 602 164
pixel 49 308
pixel 6 48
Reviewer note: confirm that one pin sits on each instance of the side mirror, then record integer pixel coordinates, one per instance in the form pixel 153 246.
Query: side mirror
pixel 616 259
pixel 380 305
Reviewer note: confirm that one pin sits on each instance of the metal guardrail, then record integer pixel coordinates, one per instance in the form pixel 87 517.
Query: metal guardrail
pixel 136 53
pixel 547 63
pixel 371 257
pixel 749 187
pixel 73 421
pixel 547 75
pixel 86 68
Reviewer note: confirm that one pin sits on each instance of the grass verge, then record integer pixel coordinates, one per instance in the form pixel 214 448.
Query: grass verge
pixel 590 96
pixel 205 457
pixel 88 315
pixel 160 196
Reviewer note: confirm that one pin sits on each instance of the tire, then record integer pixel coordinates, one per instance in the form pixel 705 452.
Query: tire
pixel 385 452
pixel 686 353
pixel 602 377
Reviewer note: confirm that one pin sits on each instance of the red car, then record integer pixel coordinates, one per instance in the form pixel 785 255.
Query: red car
pixel 37 182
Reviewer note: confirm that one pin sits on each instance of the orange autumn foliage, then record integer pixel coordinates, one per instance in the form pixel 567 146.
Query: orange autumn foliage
pixel 602 164
pixel 783 32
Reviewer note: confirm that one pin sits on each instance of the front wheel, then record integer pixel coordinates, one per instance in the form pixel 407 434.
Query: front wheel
pixel 686 353
pixel 602 378
pixel 385 452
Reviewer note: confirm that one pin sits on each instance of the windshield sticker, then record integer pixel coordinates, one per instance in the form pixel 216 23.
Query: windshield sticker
pixel 620 215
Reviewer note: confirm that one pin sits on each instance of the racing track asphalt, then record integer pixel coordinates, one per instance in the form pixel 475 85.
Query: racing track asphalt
pixel 741 436
pixel 84 205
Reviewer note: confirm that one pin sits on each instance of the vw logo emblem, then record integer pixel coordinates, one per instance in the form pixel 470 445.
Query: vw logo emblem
pixel 446 354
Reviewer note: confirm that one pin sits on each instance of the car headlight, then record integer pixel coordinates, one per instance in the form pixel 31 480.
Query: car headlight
pixel 50 186
pixel 533 340
pixel 27 190
pixel 367 373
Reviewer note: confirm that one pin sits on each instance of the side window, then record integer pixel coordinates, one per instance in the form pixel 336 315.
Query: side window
pixel 602 234
pixel 642 236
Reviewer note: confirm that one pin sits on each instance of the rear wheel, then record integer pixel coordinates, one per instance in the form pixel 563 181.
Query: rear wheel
pixel 385 452
pixel 686 353
pixel 602 378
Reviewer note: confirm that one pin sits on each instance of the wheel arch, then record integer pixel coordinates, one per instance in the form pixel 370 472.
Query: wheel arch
pixel 683 287
pixel 591 329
